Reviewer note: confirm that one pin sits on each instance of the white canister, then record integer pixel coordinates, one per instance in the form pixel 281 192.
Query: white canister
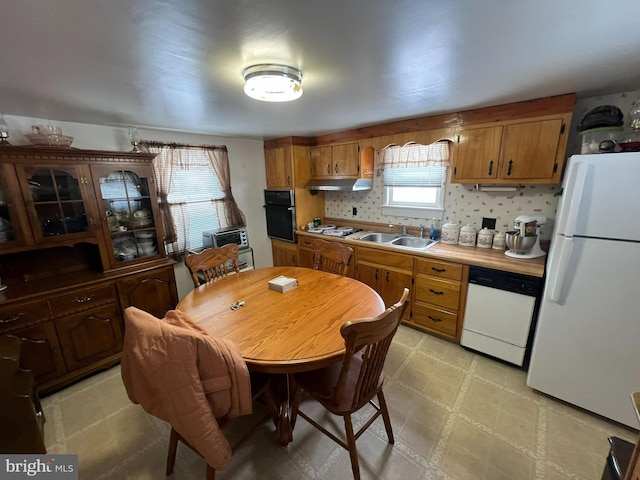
pixel 467 236
pixel 485 238
pixel 449 233
pixel 499 240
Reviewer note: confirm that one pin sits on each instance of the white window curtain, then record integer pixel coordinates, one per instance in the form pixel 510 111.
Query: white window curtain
pixel 194 191
pixel 415 165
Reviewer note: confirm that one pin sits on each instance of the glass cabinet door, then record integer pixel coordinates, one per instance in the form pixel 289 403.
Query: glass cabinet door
pixel 128 208
pixel 58 206
pixel 14 225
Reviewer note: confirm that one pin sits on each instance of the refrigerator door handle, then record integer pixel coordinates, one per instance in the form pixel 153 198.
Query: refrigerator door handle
pixel 575 198
pixel 558 271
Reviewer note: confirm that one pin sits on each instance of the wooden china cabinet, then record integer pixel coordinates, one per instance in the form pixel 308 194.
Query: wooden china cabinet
pixel 80 240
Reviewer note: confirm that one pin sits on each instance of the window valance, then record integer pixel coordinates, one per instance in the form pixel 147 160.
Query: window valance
pixel 415 155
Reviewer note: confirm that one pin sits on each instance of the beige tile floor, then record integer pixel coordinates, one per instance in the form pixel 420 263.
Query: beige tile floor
pixel 455 414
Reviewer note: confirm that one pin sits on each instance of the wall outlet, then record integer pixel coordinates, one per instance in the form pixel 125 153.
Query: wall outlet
pixel 354 211
pixel 489 223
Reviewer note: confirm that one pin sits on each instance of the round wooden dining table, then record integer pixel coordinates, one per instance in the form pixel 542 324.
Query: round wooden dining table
pixel 287 332
pixel 282 333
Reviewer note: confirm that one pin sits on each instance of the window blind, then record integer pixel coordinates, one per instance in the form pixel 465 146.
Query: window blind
pixel 414 177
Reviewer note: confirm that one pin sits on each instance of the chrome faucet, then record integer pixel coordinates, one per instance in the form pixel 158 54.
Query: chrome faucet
pixel 403 227
pixel 421 231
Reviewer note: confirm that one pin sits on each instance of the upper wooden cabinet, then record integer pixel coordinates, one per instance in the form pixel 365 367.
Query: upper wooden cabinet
pixel 524 151
pixel 60 197
pixel 59 200
pixel 287 167
pixel 279 167
pixel 15 231
pixel 345 160
pixel 128 211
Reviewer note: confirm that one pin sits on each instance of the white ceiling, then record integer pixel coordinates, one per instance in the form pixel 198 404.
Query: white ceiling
pixel 176 64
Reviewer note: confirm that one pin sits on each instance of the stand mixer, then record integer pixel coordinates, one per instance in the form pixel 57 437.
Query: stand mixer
pixel 524 241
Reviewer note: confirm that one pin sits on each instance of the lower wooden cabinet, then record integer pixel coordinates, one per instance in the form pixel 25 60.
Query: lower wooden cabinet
pixel 152 291
pixel 439 296
pixel 438 288
pixel 21 414
pixel 285 254
pixel 73 332
pixel 387 273
pixel 41 353
pixel 88 337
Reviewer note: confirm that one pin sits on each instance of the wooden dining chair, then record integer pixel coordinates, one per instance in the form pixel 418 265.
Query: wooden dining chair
pixel 213 263
pixel 332 257
pixel 198 384
pixel 261 390
pixel 346 387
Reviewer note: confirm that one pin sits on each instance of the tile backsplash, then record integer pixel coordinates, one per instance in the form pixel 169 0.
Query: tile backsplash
pixel 465 205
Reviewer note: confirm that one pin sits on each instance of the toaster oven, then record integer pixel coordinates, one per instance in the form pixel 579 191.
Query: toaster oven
pixel 223 236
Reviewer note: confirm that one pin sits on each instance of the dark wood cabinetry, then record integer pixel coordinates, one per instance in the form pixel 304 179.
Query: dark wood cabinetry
pixel 21 415
pixel 80 240
pixel 151 291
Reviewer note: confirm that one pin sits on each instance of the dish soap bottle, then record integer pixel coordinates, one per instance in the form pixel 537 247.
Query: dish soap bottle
pixel 433 233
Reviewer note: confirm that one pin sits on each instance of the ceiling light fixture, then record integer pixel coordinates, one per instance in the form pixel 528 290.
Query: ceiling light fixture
pixel 272 82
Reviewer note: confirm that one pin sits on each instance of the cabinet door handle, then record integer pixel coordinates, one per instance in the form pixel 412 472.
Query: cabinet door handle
pixel 336 168
pixel 85 299
pixel 490 167
pixel 510 165
pixel 435 293
pixel 12 319
pixel 439 270
pixel 288 180
pixel 328 168
pixel 434 319
pixel 376 274
pixel 387 277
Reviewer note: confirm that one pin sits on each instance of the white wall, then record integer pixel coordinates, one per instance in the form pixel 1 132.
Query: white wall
pixel 246 158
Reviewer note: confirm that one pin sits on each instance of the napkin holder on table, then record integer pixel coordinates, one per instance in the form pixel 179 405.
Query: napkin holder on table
pixel 283 284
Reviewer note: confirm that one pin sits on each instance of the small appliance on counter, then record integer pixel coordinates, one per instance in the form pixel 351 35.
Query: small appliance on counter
pixel 524 241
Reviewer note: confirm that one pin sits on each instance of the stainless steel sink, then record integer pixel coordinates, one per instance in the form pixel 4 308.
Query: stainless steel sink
pixel 378 237
pixel 395 240
pixel 413 242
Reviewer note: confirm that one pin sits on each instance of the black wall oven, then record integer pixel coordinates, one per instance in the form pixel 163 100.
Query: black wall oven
pixel 280 208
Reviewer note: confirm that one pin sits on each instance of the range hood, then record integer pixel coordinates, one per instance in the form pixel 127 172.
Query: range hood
pixel 340 184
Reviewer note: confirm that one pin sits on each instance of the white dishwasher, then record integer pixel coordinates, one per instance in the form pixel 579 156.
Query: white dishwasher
pixel 499 313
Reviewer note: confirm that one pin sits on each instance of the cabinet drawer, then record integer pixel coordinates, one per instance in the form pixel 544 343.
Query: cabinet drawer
pixel 435 319
pixel 82 299
pixel 437 268
pixel 20 315
pixel 381 257
pixel 438 292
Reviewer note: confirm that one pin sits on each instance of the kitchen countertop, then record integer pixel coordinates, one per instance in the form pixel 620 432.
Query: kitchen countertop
pixel 481 257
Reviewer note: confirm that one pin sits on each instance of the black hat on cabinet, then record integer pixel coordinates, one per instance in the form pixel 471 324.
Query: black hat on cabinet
pixel 602 116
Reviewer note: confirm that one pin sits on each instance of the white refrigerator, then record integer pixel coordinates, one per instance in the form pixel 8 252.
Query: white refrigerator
pixel 586 349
